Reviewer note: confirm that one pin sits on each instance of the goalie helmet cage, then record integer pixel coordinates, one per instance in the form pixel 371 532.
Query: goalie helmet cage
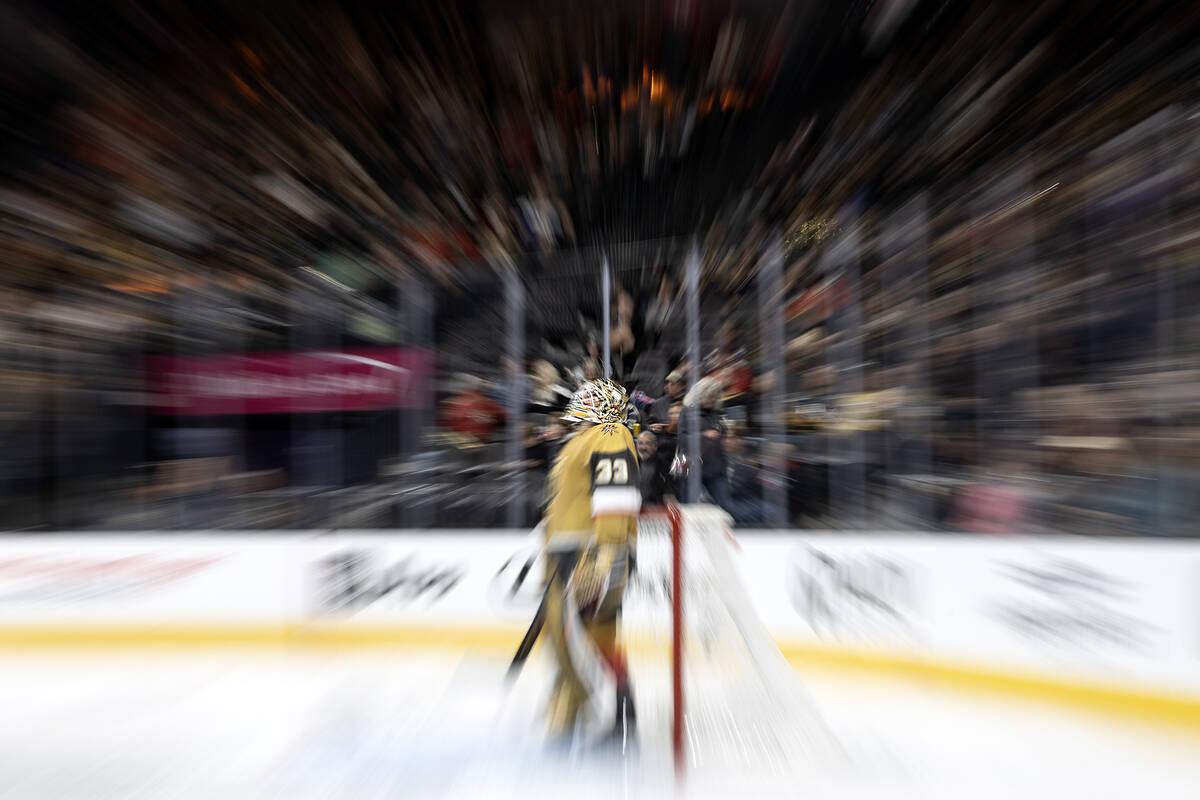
pixel 734 700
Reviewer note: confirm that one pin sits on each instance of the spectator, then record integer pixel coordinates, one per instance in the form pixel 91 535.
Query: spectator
pixel 704 401
pixel 471 412
pixel 590 371
pixel 653 477
pixel 547 394
pixel 668 440
pixel 748 506
pixel 621 339
pixel 664 319
pixel 660 412
pixel 673 418
pixel 544 445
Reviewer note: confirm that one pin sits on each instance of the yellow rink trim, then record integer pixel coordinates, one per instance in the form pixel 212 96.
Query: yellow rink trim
pixel 1136 703
pixel 1131 702
pixel 270 636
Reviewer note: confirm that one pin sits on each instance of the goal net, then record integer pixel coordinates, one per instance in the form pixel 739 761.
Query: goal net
pixel 708 681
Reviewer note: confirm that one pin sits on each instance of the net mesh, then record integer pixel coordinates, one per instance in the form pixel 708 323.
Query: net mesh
pixel 744 705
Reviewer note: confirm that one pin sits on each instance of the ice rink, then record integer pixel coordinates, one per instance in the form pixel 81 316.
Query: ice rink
pixel 396 723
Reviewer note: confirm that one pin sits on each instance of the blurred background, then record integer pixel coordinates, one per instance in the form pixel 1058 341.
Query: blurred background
pixel 918 264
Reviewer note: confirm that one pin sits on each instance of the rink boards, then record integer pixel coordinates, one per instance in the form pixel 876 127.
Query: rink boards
pixel 1112 624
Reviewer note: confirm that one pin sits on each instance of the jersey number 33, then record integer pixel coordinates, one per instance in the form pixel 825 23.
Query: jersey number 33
pixel 612 469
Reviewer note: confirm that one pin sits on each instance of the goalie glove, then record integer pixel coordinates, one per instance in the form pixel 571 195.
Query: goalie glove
pixel 600 579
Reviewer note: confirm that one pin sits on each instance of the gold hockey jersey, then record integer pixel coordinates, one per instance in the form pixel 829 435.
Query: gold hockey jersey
pixel 594 489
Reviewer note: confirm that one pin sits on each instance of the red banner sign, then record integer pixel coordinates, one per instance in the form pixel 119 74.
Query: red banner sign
pixel 289 383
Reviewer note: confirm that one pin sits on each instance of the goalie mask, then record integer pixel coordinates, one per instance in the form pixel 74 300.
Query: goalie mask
pixel 600 401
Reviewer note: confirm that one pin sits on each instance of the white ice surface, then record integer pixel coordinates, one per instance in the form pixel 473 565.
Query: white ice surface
pixel 244 724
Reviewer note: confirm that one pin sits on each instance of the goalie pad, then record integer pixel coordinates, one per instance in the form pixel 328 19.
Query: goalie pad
pixel 594 674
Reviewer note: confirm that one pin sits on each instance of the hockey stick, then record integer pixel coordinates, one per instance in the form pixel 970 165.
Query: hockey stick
pixel 535 627
pixel 531 636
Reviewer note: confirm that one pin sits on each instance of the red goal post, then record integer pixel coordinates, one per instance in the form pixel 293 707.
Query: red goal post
pixel 690 597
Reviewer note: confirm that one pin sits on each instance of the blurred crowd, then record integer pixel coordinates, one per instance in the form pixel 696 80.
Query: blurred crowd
pixel 946 258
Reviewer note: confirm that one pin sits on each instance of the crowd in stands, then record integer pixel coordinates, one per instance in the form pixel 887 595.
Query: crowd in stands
pixel 986 239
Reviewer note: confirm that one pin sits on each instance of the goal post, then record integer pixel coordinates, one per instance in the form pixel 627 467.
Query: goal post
pixel 675 520
pixel 710 684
